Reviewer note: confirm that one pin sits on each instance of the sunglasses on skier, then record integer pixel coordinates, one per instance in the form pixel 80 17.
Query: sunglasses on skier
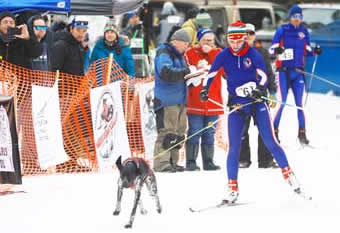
pixel 297 16
pixel 251 33
pixel 41 28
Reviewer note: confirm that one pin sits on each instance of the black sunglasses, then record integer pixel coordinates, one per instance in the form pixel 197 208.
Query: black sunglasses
pixel 251 33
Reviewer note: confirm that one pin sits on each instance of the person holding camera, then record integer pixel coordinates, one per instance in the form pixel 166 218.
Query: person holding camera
pixel 16 45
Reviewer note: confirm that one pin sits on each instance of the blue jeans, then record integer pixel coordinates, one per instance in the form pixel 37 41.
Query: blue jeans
pixel 196 123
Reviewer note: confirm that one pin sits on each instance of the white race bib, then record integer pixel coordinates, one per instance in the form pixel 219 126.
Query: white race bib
pixel 174 19
pixel 287 55
pixel 246 89
pixel 136 43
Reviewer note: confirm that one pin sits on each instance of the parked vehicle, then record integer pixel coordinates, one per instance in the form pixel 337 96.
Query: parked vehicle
pixel 264 15
pixel 319 15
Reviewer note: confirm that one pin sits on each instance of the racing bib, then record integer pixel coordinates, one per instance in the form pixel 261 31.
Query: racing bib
pixel 174 19
pixel 136 43
pixel 287 55
pixel 246 89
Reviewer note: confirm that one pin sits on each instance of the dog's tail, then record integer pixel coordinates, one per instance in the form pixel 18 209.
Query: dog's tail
pixel 119 162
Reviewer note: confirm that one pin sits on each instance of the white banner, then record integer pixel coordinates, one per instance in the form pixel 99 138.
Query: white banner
pixel 6 157
pixel 109 128
pixel 47 126
pixel 148 118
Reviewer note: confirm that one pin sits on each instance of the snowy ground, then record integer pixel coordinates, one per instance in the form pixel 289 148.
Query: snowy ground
pixel 84 203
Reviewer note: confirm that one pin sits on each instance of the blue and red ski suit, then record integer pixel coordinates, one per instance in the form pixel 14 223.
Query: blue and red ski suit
pixel 241 68
pixel 296 42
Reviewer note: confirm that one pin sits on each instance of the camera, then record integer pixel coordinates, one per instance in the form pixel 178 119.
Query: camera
pixel 14 31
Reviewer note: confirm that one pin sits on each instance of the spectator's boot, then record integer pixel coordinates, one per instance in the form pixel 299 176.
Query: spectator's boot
pixel 302 137
pixel 174 159
pixel 207 152
pixel 191 153
pixel 244 164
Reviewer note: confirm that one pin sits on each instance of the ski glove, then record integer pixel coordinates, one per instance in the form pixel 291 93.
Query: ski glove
pixel 317 50
pixel 258 92
pixel 279 50
pixel 204 94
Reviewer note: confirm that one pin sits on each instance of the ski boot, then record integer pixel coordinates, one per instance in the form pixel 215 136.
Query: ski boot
pixel 233 192
pixel 290 178
pixel 302 137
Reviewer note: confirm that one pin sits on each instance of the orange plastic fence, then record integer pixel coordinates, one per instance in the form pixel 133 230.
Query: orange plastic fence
pixel 75 112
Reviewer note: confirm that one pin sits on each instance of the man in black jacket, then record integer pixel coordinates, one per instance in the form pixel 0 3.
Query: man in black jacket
pixel 68 53
pixel 18 48
pixel 265 159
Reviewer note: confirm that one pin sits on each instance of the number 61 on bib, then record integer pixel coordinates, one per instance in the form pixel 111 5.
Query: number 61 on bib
pixel 246 89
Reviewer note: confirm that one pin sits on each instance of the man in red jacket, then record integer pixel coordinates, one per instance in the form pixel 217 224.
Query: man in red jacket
pixel 201 114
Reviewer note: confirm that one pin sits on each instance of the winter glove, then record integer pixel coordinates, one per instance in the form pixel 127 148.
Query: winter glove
pixel 317 50
pixel 204 94
pixel 258 92
pixel 272 104
pixel 169 141
pixel 279 50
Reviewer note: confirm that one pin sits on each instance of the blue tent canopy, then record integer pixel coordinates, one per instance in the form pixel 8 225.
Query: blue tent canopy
pixel 16 6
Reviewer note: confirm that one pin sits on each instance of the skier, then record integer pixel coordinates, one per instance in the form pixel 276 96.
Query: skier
pixel 291 44
pixel 246 81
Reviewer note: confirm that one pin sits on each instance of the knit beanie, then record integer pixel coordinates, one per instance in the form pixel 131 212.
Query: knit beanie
pixel 181 35
pixel 202 31
pixel 110 25
pixel 4 14
pixel 236 30
pixel 204 20
pixel 295 9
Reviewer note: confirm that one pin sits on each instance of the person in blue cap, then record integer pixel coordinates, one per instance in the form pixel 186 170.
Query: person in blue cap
pixel 291 44
pixel 68 53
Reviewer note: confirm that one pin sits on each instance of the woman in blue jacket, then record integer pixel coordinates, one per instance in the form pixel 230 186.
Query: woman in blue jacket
pixel 111 43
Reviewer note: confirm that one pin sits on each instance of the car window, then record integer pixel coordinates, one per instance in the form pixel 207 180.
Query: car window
pixel 281 15
pixel 261 18
pixel 316 17
pixel 218 17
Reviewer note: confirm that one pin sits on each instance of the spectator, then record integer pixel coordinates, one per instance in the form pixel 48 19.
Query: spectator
pixel 38 29
pixel 168 20
pixel 265 159
pixel 68 53
pixel 202 19
pixel 190 26
pixel 170 100
pixel 112 43
pixel 17 49
pixel 202 114
pixel 135 31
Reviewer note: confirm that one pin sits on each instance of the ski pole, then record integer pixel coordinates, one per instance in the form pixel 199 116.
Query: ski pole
pixel 282 103
pixel 310 83
pixel 318 77
pixel 207 127
pixel 217 103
